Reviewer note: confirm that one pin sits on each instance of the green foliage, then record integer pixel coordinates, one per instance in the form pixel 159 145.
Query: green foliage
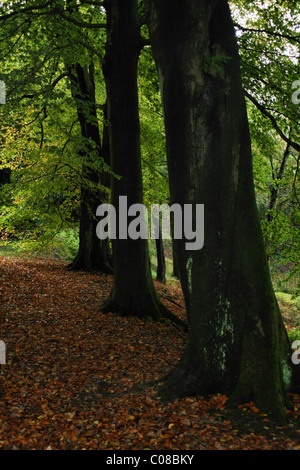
pixel 294 334
pixel 153 149
pixel 269 39
pixel 65 244
pixel 40 135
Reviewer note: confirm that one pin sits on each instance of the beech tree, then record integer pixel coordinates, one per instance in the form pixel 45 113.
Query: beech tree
pixel 133 291
pixel 93 254
pixel 237 341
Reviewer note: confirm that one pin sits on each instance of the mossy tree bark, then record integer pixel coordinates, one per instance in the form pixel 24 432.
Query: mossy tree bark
pixel 133 291
pixel 237 342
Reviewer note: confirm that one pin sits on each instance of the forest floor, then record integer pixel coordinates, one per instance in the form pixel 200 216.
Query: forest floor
pixel 77 379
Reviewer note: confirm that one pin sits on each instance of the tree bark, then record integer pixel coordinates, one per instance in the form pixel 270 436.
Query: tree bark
pixel 237 342
pixel 175 262
pixel 161 261
pixel 275 188
pixel 5 175
pixel 133 291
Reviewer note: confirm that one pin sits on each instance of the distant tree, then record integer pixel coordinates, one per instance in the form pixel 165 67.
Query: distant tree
pixel 91 156
pixel 93 254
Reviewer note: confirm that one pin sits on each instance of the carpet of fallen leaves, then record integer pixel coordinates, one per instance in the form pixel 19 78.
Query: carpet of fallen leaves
pixel 78 379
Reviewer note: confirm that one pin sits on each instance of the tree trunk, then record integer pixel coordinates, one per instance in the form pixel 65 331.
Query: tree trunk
pixel 175 262
pixel 275 188
pixel 5 175
pixel 93 254
pixel 133 290
pixel 160 254
pixel 237 342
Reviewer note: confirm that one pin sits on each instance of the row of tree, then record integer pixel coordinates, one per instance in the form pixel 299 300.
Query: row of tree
pixel 55 55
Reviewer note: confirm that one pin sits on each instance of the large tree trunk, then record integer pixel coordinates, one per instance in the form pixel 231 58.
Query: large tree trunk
pixel 237 341
pixel 133 291
pixel 93 254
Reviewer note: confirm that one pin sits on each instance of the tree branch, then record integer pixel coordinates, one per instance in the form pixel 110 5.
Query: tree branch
pixel 55 10
pixel 144 42
pixel 90 48
pixel 263 110
pixel 81 24
pixel 270 33
pixel 92 2
pixel 58 79
pixel 25 10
